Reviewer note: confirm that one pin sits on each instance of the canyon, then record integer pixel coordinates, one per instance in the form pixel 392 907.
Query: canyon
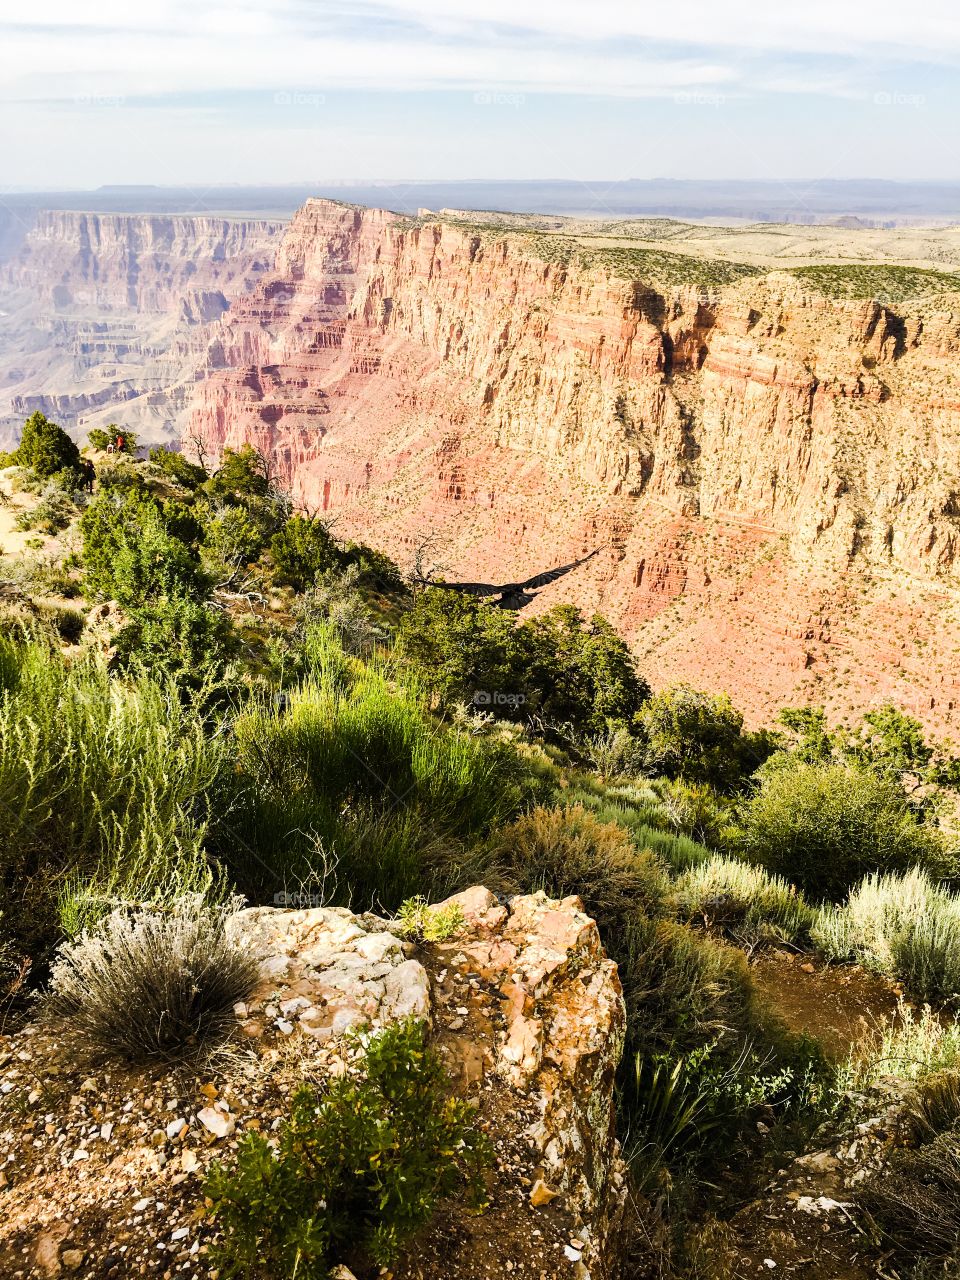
pixel 757 428
pixel 106 317
pixel 767 456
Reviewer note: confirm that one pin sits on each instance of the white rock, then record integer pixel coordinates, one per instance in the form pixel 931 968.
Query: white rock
pixel 176 1127
pixel 220 1125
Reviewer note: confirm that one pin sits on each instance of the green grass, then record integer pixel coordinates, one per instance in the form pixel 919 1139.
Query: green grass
pixel 354 780
pixel 104 789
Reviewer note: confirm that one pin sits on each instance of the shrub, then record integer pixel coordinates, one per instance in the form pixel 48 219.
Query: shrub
pixel 696 810
pixel 152 982
pixel 583 673
pixel 615 753
pixel 934 1106
pixel 914 1046
pixel 568 851
pixel 104 439
pixel 747 901
pixel 904 926
pixel 699 737
pixel 463 647
pixel 178 636
pixel 52 513
pixel 46 448
pixel 242 472
pixel 683 1107
pixel 354 1172
pixel 825 826
pixel 301 551
pixel 420 922
pixel 176 467
pixel 575 675
pixel 356 761
pixel 234 536
pixel 916 1201
pixel 132 551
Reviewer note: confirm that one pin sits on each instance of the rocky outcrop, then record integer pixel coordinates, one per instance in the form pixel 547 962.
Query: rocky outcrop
pixel 101 1168
pixel 762 464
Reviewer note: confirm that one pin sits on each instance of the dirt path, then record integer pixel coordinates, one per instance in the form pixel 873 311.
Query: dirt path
pixel 843 1006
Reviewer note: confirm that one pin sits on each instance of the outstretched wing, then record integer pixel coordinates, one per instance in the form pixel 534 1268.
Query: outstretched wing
pixel 469 588
pixel 512 588
pixel 551 575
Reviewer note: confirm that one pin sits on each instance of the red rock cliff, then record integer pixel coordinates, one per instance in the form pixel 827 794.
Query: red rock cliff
pixel 774 475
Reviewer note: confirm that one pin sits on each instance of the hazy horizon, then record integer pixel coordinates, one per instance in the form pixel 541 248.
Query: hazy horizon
pixel 211 94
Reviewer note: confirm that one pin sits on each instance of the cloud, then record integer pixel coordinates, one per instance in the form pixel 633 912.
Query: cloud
pixel 607 47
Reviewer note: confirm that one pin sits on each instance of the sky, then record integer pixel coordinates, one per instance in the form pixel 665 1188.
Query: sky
pixel 200 91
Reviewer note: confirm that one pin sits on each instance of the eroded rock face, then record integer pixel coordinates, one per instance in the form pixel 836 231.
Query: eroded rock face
pixel 774 476
pixel 105 1165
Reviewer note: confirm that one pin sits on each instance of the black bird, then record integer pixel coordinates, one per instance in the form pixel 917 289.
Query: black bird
pixel 513 595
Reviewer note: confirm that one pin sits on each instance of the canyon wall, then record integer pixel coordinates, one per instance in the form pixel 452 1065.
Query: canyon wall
pixel 104 316
pixel 773 475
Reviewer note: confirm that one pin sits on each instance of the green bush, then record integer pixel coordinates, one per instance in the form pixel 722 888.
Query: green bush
pixel 824 827
pixel 584 675
pixel 693 1106
pixel 178 636
pixel 682 990
pixel 301 551
pixel 152 983
pixel 699 737
pixel 46 448
pixel 131 549
pixel 104 439
pixel 52 514
pixel 568 851
pixel 573 675
pixel 462 648
pixel 242 473
pixel 744 900
pixel 902 925
pixel 176 467
pixel 354 1172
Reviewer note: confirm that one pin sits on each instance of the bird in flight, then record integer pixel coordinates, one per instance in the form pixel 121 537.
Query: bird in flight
pixel 513 595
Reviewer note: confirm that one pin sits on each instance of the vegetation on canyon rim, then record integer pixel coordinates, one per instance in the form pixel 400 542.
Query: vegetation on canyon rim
pixel 250 705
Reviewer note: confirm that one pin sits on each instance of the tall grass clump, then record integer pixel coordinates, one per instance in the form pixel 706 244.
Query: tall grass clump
pixel 744 900
pixel 353 760
pixel 152 983
pixel 682 990
pixel 905 926
pixel 915 1046
pixel 104 791
pixel 569 851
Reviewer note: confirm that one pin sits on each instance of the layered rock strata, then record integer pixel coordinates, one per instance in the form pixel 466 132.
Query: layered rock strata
pixel 773 475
